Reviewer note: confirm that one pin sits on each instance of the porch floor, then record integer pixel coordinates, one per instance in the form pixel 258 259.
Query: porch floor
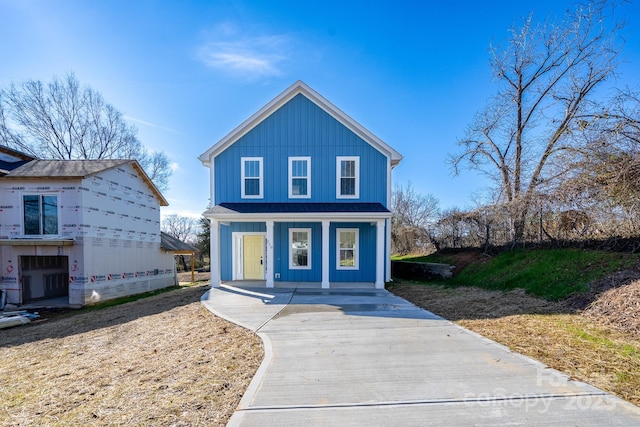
pixel 298 285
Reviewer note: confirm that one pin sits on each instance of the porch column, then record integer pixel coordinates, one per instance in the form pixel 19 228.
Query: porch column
pixel 270 263
pixel 325 254
pixel 215 253
pixel 387 276
pixel 380 249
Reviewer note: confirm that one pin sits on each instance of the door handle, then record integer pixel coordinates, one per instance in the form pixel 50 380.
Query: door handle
pixel 260 260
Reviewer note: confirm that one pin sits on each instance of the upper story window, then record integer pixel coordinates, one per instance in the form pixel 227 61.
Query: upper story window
pixel 299 177
pixel 300 248
pixel 40 214
pixel 347 250
pixel 348 177
pixel 252 177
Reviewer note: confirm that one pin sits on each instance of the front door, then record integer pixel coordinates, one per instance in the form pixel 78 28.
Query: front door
pixel 253 247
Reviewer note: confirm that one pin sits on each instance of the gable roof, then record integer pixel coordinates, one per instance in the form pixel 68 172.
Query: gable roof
pixel 78 169
pixel 9 154
pixel 300 87
pixel 11 159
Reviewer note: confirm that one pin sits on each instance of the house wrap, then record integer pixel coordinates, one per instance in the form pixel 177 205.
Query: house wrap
pixel 88 230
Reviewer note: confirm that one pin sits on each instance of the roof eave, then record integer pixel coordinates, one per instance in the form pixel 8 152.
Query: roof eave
pixel 299 87
pixel 297 216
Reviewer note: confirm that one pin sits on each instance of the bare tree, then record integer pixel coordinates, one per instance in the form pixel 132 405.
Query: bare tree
pixel 64 120
pixel 550 77
pixel 182 228
pixel 413 215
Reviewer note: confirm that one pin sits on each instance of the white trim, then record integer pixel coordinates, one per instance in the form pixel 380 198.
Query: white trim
pixel 237 251
pixel 290 243
pixel 269 265
pixel 380 250
pixel 296 88
pixel 339 160
pixel 297 216
pixel 243 177
pixel 307 177
pixel 387 254
pixel 356 249
pixel 326 226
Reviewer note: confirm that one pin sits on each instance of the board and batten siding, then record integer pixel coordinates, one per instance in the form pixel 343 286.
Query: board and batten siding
pixel 281 253
pixel 366 271
pixel 226 243
pixel 300 128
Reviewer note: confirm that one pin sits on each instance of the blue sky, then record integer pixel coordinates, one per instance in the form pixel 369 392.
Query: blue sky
pixel 186 72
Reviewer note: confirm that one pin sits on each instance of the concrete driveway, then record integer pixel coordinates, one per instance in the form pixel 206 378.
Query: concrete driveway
pixel 364 357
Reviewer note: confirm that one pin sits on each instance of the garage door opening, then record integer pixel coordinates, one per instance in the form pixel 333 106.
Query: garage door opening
pixel 44 277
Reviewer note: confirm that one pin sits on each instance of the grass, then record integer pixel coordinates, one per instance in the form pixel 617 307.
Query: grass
pixel 570 343
pixel 516 299
pixel 581 347
pixel 158 360
pixel 553 274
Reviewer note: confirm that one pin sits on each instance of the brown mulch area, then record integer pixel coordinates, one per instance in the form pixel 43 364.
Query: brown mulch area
pixel 162 360
pixel 618 307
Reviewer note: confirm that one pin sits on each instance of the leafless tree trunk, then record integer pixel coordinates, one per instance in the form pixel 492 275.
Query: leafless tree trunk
pixel 548 75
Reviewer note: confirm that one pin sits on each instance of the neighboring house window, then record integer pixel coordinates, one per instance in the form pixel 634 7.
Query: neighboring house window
pixel 40 214
pixel 251 177
pixel 300 248
pixel 347 249
pixel 299 177
pixel 348 177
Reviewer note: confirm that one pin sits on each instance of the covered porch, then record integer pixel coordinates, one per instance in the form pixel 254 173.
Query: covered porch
pixel 324 259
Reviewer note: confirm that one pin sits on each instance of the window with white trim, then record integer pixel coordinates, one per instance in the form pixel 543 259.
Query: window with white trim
pixel 300 248
pixel 40 214
pixel 347 248
pixel 299 177
pixel 252 173
pixel 347 177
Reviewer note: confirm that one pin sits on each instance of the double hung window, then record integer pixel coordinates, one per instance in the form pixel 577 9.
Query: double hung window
pixel 252 177
pixel 348 177
pixel 40 214
pixel 300 248
pixel 347 249
pixel 299 177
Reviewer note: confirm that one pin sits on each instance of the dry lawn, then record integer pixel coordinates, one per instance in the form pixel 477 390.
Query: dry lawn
pixel 589 346
pixel 165 360
pixel 162 360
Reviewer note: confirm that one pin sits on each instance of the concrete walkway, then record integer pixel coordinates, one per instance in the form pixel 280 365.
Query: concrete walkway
pixel 364 357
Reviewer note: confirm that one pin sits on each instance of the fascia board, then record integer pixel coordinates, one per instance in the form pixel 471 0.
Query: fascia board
pixel 351 124
pixel 244 127
pixel 300 87
pixel 299 217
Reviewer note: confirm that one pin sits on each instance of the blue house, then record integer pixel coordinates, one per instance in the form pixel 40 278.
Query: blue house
pixel 300 192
